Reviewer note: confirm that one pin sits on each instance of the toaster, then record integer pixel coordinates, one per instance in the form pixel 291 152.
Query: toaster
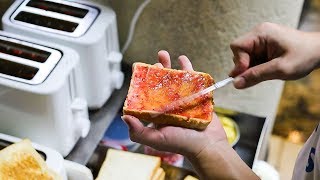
pixel 64 168
pixel 88 28
pixel 38 93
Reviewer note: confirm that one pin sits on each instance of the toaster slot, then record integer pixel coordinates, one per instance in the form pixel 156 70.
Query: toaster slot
pixel 22 51
pixel 17 70
pixel 63 17
pixel 4 144
pixel 58 8
pixel 47 22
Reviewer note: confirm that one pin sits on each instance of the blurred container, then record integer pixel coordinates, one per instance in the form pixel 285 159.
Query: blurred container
pixel 231 128
pixel 117 136
pixel 265 171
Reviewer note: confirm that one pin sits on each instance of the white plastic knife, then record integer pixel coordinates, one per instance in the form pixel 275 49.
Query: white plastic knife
pixel 187 99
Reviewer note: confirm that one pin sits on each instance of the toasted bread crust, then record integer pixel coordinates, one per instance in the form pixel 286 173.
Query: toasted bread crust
pixel 168 118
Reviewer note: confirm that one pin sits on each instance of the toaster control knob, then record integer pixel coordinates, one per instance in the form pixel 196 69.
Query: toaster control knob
pixel 114 57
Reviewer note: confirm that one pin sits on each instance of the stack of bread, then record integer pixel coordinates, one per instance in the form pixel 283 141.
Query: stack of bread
pixel 122 165
pixel 21 161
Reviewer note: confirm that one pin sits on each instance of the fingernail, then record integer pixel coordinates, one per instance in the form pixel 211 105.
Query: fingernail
pixel 123 119
pixel 239 82
pixel 162 51
pixel 182 56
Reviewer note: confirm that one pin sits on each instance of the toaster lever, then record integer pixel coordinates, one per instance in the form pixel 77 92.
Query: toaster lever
pixel 117 76
pixel 79 109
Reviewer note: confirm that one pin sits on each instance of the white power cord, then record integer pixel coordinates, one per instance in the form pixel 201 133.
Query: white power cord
pixel 133 25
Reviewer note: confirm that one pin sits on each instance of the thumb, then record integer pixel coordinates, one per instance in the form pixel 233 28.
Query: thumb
pixel 257 74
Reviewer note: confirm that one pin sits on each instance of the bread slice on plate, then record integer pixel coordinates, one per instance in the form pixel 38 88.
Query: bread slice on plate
pixel 123 165
pixel 153 89
pixel 21 161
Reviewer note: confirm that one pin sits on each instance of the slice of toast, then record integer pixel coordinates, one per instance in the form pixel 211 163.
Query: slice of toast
pixel 123 165
pixel 153 88
pixel 21 161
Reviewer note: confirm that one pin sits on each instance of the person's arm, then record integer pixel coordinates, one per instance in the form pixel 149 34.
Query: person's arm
pixel 220 161
pixel 272 51
pixel 208 151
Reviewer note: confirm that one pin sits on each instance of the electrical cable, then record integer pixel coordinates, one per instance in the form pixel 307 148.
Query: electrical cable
pixel 133 25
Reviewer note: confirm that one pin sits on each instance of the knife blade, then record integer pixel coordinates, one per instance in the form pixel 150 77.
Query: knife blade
pixel 187 99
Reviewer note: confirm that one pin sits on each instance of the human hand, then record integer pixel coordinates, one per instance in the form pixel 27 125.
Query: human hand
pixel 208 150
pixel 179 140
pixel 271 51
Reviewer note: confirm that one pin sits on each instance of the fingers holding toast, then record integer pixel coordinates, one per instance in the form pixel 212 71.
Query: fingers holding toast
pixel 165 61
pixel 164 58
pixel 185 63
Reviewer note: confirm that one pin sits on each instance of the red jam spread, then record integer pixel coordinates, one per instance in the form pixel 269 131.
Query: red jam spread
pixel 153 88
